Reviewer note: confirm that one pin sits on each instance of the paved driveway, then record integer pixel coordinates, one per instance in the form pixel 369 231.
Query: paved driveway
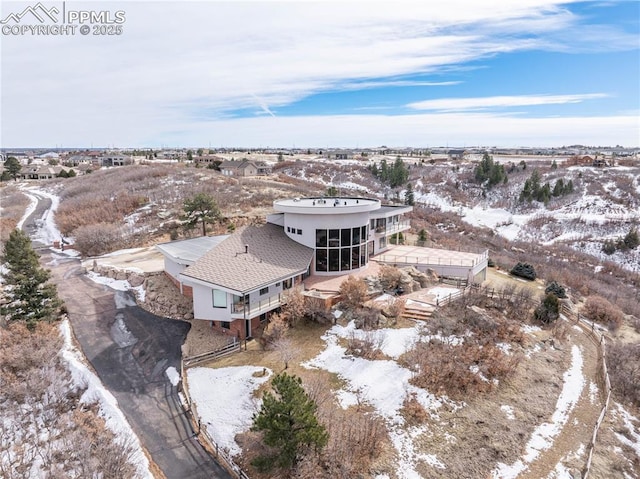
pixel 130 349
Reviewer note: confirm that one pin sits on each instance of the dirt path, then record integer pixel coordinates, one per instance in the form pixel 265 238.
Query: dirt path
pixel 570 445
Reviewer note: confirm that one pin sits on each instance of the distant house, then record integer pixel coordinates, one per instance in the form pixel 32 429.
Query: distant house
pixel 40 172
pixel 339 154
pixel 116 160
pixel 456 154
pixel 244 168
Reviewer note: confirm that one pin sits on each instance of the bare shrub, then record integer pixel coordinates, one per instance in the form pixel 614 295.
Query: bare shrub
pixel 395 308
pixel 624 370
pixel 42 418
pixel 276 329
pixel 390 277
pixel 367 318
pixel 367 345
pixel 353 292
pixel 286 349
pixel 412 411
pixel 96 239
pixel 294 308
pixel 599 309
pixel 458 370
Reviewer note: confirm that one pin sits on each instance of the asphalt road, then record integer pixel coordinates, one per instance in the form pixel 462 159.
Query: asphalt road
pixel 130 349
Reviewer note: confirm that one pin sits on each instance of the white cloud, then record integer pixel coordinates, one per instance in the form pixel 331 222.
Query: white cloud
pixel 185 65
pixel 458 104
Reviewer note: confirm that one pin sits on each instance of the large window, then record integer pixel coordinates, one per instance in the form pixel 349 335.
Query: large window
pixel 341 249
pixel 321 238
pixel 264 290
pixel 219 299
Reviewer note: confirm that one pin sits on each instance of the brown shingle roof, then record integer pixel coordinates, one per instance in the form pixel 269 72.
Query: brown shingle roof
pixel 272 257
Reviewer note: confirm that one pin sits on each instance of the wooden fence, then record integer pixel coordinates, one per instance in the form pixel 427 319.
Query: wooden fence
pixel 211 355
pixel 191 410
pixel 590 329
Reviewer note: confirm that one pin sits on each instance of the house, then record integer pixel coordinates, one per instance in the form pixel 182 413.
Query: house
pixel 244 168
pixel 116 160
pixel 40 172
pixel 236 281
pixel 456 154
pixel 339 154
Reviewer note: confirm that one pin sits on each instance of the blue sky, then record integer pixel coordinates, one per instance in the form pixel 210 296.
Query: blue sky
pixel 455 72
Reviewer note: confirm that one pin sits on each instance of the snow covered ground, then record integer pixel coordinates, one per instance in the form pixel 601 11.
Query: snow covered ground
pixel 385 386
pixel 224 401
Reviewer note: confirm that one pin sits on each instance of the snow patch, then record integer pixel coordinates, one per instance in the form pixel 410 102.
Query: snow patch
pixel 173 375
pixel 384 385
pixel 224 401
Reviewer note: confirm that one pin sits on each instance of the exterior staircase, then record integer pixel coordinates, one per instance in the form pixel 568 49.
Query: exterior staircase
pixel 422 312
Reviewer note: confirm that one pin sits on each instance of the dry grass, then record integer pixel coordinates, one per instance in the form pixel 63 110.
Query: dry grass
pixel 44 418
pixel 14 203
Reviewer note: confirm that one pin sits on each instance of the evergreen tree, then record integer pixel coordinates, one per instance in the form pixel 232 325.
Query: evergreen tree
pixel 549 310
pixel 384 171
pixel 29 296
pixel 374 170
pixel 332 191
pixel 201 208
pixel 288 422
pixel 399 173
pixel 12 166
pixel 409 197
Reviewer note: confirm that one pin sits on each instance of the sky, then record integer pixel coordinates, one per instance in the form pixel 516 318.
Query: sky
pixel 323 74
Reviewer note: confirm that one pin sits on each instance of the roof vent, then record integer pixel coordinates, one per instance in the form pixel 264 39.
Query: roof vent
pixel 246 248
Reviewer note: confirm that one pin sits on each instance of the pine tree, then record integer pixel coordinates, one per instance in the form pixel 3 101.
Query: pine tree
pixel 12 166
pixel 28 296
pixel 409 197
pixel 288 422
pixel 201 208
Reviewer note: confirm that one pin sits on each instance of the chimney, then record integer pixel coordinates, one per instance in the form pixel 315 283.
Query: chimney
pixel 246 248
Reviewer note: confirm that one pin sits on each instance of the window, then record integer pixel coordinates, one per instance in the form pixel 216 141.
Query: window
pixel 263 317
pixel 355 257
pixel 356 236
pixel 383 242
pixel 321 238
pixel 299 231
pixel 287 283
pixel 334 260
pixel 264 290
pixel 321 260
pixel 334 238
pixel 219 299
pixel 277 285
pixel 363 233
pixel 288 229
pixel 225 324
pixel 346 237
pixel 345 259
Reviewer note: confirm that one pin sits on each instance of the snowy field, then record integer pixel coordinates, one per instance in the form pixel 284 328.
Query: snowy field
pixel 224 401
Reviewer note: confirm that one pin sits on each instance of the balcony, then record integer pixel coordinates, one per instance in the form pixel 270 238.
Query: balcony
pixel 241 310
pixel 391 228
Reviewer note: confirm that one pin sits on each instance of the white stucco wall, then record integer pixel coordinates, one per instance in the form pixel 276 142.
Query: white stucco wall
pixel 173 268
